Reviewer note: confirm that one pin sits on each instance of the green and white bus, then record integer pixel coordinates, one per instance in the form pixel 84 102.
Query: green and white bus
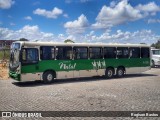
pixel 47 61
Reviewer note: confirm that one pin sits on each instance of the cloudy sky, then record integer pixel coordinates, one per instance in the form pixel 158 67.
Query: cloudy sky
pixel 106 21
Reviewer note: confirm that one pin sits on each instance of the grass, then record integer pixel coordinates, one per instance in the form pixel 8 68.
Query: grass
pixel 4 54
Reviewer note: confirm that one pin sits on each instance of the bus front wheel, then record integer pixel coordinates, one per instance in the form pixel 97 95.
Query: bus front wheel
pixel 109 72
pixel 48 77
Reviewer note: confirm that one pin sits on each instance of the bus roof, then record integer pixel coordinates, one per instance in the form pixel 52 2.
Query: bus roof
pixel 154 49
pixel 28 43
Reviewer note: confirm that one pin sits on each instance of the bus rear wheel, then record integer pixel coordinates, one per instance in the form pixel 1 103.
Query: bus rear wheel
pixel 48 77
pixel 120 72
pixel 109 73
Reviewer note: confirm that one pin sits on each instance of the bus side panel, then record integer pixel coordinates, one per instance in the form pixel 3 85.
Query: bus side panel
pixel 80 68
pixel 132 65
pixel 84 68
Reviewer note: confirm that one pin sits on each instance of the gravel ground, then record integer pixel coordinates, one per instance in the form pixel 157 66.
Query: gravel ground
pixel 139 92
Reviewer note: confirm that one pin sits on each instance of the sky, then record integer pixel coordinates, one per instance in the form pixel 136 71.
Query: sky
pixel 89 21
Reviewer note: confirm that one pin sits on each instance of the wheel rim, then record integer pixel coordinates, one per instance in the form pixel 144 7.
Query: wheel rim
pixel 120 72
pixel 49 77
pixel 110 73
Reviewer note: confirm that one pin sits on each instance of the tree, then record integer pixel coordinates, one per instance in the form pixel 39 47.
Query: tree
pixel 156 45
pixel 35 40
pixel 23 39
pixel 68 41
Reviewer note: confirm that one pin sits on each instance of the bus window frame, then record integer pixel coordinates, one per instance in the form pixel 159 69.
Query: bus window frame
pixel 122 56
pixel 115 52
pixel 41 52
pixel 56 52
pixel 75 47
pixel 149 52
pixel 101 53
pixel 130 57
pixel 28 62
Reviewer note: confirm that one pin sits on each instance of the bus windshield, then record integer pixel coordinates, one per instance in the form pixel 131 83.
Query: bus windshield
pixel 14 56
pixel 156 52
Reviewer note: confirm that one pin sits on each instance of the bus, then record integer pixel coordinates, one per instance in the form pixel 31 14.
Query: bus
pixel 155 57
pixel 47 61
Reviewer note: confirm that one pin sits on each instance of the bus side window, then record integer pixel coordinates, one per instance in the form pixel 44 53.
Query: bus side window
pixel 95 53
pixel 109 52
pixel 32 54
pixel 153 52
pixel 59 53
pixel 134 52
pixel 80 52
pixel 144 52
pixel 122 52
pixel 69 54
pixel 47 53
pixel 63 53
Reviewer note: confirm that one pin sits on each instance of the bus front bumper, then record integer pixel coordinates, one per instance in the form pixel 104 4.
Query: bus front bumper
pixel 14 75
pixel 157 63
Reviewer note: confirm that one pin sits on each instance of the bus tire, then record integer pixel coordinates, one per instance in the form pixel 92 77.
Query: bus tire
pixel 120 72
pixel 109 73
pixel 48 77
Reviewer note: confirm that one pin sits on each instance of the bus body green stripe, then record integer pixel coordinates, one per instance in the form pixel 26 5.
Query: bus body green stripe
pixel 69 65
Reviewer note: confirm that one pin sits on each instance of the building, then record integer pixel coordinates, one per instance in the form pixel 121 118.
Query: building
pixel 6 43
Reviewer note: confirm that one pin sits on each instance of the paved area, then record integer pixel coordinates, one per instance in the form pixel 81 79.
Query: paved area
pixel 139 92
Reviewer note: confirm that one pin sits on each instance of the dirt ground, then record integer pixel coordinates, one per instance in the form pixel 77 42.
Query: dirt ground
pixel 3 72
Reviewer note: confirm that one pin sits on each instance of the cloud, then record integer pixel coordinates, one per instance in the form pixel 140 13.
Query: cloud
pixel 9 16
pixel 54 13
pixel 12 24
pixel 116 14
pixel 84 1
pixel 68 1
pixel 33 33
pixel 77 26
pixel 28 32
pixel 66 15
pixel 142 36
pixel 153 21
pixel 76 1
pixel 122 12
pixel 150 7
pixel 6 4
pixel 36 3
pixel 28 18
pixel 81 22
pixel 113 4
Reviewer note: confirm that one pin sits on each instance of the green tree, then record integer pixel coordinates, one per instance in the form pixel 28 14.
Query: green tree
pixel 156 45
pixel 23 39
pixel 68 41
